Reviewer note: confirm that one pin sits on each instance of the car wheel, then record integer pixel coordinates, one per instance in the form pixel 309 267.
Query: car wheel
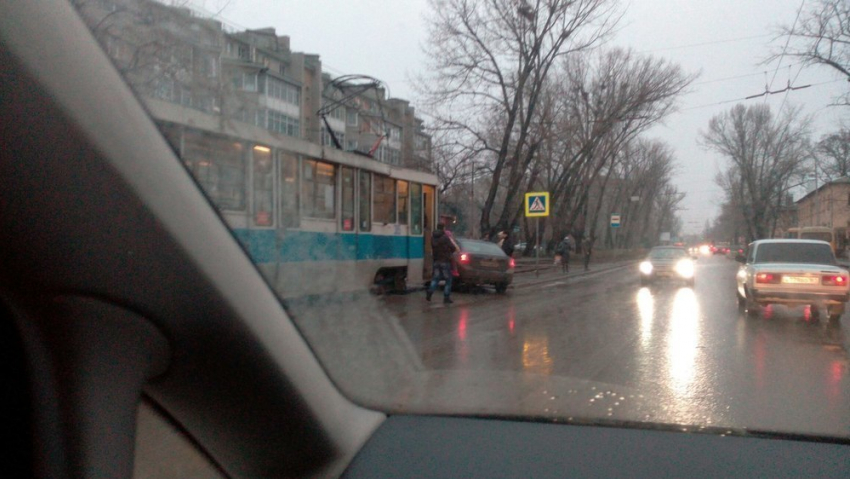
pixel 501 288
pixel 834 313
pixel 815 312
pixel 751 306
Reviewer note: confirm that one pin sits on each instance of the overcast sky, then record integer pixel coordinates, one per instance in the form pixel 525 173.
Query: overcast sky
pixel 724 40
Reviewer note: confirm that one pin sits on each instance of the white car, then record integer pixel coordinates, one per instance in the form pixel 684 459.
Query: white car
pixel 792 272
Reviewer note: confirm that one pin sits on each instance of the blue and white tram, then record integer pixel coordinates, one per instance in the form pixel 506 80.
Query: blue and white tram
pixel 315 220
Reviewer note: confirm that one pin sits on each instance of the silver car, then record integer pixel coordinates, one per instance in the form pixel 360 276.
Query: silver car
pixel 792 272
pixel 667 262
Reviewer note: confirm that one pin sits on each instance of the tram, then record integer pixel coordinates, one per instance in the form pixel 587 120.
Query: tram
pixel 315 220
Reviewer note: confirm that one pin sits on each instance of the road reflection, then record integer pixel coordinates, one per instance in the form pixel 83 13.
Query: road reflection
pixel 646 309
pixel 682 341
pixel 535 354
pixel 670 331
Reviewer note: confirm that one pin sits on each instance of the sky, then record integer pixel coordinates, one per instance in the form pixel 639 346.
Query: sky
pixel 725 41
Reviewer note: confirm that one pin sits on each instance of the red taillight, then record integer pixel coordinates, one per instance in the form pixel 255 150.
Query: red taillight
pixel 834 280
pixel 768 278
pixel 464 258
pixel 512 263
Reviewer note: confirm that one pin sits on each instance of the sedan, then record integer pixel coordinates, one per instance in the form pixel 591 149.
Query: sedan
pixel 792 272
pixel 735 251
pixel 667 262
pixel 482 262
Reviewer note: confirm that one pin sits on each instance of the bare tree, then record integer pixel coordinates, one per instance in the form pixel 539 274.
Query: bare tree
pixel 821 36
pixel 491 59
pixel 833 152
pixel 609 99
pixel 766 152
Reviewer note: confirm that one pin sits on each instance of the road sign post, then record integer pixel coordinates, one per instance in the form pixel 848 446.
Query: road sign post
pixel 615 225
pixel 537 205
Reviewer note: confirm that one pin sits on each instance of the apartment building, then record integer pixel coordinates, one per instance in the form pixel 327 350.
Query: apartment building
pixel 249 77
pixel 827 205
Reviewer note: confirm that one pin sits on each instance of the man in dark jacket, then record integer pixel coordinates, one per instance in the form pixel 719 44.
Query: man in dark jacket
pixel 443 248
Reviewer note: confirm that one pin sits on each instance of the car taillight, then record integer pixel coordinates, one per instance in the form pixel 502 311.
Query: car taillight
pixel 834 280
pixel 464 258
pixel 768 278
pixel 512 263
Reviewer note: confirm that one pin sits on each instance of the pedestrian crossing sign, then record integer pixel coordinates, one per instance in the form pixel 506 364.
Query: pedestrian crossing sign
pixel 537 204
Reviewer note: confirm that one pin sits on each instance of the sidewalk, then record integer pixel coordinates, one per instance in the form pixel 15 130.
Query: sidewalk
pixel 550 273
pixel 525 265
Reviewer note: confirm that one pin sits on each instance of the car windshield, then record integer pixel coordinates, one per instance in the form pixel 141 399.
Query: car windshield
pixel 482 247
pixel 667 253
pixel 811 253
pixel 335 138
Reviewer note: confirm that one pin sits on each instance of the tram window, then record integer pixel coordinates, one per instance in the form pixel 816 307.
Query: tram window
pixel 288 191
pixel 318 189
pixel 365 201
pixel 402 201
pixel 263 186
pixel 384 199
pixel 347 199
pixel 219 166
pixel 415 208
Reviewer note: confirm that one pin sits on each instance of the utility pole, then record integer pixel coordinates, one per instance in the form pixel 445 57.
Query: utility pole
pixel 472 202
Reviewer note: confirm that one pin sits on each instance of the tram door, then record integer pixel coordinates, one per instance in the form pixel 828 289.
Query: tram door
pixel 428 200
pixel 347 225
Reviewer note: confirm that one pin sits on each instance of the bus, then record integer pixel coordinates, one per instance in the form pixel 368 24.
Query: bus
pixel 315 220
pixel 836 237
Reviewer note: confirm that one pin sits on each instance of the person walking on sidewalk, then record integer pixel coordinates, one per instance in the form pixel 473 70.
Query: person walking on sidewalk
pixel 586 249
pixel 443 248
pixel 562 251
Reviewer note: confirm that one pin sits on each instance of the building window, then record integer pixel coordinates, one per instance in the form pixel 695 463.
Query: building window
pixel 318 189
pixel 402 202
pixel 289 191
pixel 385 208
pixel 245 81
pixel 209 66
pixel 219 166
pixel 277 88
pixel 328 141
pixel 351 145
pixel 365 201
pixel 281 123
pixel 394 156
pixel 244 52
pixel 351 117
pixel 263 186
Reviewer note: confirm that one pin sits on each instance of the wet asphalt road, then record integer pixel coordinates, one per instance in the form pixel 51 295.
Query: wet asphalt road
pixel 690 355
pixel 591 347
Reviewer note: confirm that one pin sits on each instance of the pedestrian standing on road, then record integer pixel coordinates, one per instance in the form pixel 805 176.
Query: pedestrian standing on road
pixel 563 251
pixel 443 249
pixel 586 249
pixel 506 243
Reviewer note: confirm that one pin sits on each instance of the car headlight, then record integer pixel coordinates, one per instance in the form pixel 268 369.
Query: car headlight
pixel 685 268
pixel 646 267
